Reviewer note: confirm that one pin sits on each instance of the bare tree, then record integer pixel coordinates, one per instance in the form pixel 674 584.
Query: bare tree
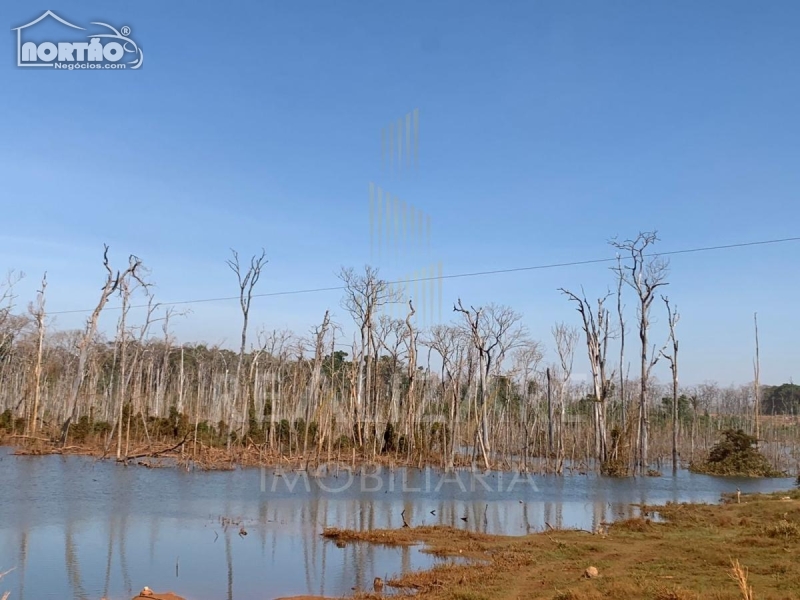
pixel 84 343
pixel 493 330
pixel 673 318
pixel 276 345
pixel 38 314
pixel 528 357
pixel 757 383
pixel 644 274
pixel 596 328
pixel 126 285
pixel 312 406
pixel 247 280
pixel 448 341
pixel 9 326
pixel 565 338
pixel 364 295
pixel 621 320
pixel 411 405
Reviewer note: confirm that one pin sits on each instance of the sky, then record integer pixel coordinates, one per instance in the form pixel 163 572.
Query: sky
pixel 544 130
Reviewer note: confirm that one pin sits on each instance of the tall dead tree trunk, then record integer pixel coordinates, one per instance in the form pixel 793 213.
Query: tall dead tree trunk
pixel 757 384
pixel 316 377
pixel 364 295
pixel 596 330
pixel 565 338
pixel 621 319
pixel 90 329
pixel 673 317
pixel 493 330
pixel 527 359
pixel 247 281
pixel 447 341
pixel 38 313
pixel 549 414
pixel 644 274
pixel 122 383
pixel 411 404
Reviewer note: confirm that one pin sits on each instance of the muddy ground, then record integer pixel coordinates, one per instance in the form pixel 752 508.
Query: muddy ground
pixel 691 555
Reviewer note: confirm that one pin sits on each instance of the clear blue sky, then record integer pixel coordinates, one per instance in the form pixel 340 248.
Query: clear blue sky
pixel 545 129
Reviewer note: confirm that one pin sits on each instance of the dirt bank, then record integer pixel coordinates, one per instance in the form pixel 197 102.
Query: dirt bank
pixel 688 557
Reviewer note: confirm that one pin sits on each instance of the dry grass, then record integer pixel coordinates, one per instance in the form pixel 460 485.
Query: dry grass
pixel 683 557
pixel 784 529
pixel 739 575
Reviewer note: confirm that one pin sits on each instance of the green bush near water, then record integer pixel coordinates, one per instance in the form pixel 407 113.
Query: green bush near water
pixel 736 454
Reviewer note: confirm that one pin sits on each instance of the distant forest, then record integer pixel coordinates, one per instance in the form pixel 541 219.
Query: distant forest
pixel 781 399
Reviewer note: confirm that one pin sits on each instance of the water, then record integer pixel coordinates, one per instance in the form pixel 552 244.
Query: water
pixel 83 529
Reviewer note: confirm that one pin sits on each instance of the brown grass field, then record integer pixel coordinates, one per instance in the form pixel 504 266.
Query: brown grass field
pixel 743 551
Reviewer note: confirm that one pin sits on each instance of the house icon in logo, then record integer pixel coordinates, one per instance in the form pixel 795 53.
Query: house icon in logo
pixel 19 29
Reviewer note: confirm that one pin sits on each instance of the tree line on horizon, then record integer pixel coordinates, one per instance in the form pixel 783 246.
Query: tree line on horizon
pixel 491 399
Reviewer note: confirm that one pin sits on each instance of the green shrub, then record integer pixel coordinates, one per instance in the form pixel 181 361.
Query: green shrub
pixel 6 420
pixel 81 429
pixel 736 454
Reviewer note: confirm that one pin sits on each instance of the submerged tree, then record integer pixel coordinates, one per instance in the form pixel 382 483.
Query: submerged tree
pixel 596 329
pixel 247 280
pixel 84 343
pixel 37 311
pixel 644 274
pixel 364 295
pixel 493 330
pixel 673 317
pixel 565 337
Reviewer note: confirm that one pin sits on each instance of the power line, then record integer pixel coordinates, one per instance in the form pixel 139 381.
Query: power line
pixel 454 276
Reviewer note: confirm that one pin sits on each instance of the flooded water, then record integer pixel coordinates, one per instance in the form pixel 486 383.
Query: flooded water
pixel 76 528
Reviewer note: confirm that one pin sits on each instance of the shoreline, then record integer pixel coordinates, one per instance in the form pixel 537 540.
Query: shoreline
pixel 247 459
pixel 215 459
pixel 691 554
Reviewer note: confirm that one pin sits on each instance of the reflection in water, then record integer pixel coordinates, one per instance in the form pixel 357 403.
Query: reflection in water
pixel 82 529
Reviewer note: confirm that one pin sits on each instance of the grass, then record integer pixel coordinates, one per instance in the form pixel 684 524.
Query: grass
pixel 739 575
pixel 730 551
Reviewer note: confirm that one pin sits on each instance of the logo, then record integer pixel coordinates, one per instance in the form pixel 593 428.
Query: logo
pixel 110 48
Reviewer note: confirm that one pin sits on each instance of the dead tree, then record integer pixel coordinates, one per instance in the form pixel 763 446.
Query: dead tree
pixel 621 320
pixel 565 338
pixel 364 295
pixel 9 325
pixel 126 284
pixel 448 342
pixel 596 328
pixel 492 330
pixel 757 384
pixel 38 314
pixel 313 404
pixel 644 274
pixel 673 318
pixel 528 358
pixel 278 343
pixel 90 329
pixel 411 405
pixel 136 403
pixel 247 281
